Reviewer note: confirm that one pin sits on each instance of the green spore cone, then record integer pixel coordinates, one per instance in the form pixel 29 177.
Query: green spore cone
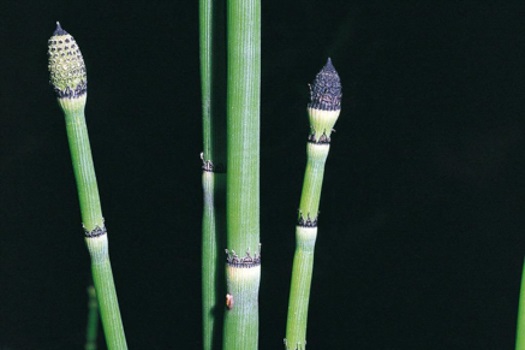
pixel 66 65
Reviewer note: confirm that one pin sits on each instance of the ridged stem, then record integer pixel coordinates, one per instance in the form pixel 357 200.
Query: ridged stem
pixel 323 111
pixel 68 76
pixel 213 86
pixel 242 200
pixel 305 235
pixel 213 289
pixel 106 292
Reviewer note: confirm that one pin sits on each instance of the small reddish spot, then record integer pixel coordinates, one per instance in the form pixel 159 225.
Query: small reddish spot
pixel 229 301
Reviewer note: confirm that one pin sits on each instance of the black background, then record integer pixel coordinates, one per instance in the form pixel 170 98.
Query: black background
pixel 421 230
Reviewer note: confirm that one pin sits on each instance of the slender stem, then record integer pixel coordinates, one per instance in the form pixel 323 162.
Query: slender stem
pixel 306 234
pixel 520 328
pixel 242 200
pixel 323 111
pixel 106 292
pixel 68 76
pixel 213 71
pixel 213 228
pixel 84 170
pixel 92 320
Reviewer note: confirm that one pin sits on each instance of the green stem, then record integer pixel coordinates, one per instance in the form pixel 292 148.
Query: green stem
pixel 323 111
pixel 92 320
pixel 242 199
pixel 242 316
pixel 306 234
pixel 520 328
pixel 300 288
pixel 212 259
pixel 95 230
pixel 212 52
pixel 106 292
pixel 84 169
pixel 68 76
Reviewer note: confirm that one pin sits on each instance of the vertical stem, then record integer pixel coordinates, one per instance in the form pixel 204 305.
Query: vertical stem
pixel 94 228
pixel 243 124
pixel 212 259
pixel 520 328
pixel 84 170
pixel 69 79
pixel 242 199
pixel 323 111
pixel 213 71
pixel 92 320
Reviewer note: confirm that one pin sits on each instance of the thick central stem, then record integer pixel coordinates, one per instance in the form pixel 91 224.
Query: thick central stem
pixel 243 124
pixel 242 184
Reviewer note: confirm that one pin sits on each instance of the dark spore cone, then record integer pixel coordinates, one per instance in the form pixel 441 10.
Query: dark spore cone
pixel 326 90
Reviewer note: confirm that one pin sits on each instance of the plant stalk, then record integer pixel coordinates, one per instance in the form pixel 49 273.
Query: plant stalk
pixel 323 111
pixel 92 320
pixel 242 184
pixel 68 76
pixel 213 86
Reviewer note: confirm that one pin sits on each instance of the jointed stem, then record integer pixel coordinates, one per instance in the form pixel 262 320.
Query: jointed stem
pixel 213 72
pixel 323 111
pixel 242 184
pixel 68 76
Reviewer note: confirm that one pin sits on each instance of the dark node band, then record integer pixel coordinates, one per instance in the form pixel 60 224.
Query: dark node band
pixel 208 166
pixel 324 139
pixel 96 232
pixel 69 93
pixel 232 259
pixel 306 222
pixel 326 91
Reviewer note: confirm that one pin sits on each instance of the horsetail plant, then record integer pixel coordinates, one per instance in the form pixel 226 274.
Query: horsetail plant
pixel 68 77
pixel 242 164
pixel 323 111
pixel 213 176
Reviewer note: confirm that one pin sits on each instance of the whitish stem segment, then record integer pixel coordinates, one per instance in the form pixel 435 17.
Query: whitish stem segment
pixel 323 111
pixel 68 77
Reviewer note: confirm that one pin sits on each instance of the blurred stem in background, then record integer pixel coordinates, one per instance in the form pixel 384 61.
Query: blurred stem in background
pixel 323 111
pixel 92 320
pixel 68 77
pixel 213 90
